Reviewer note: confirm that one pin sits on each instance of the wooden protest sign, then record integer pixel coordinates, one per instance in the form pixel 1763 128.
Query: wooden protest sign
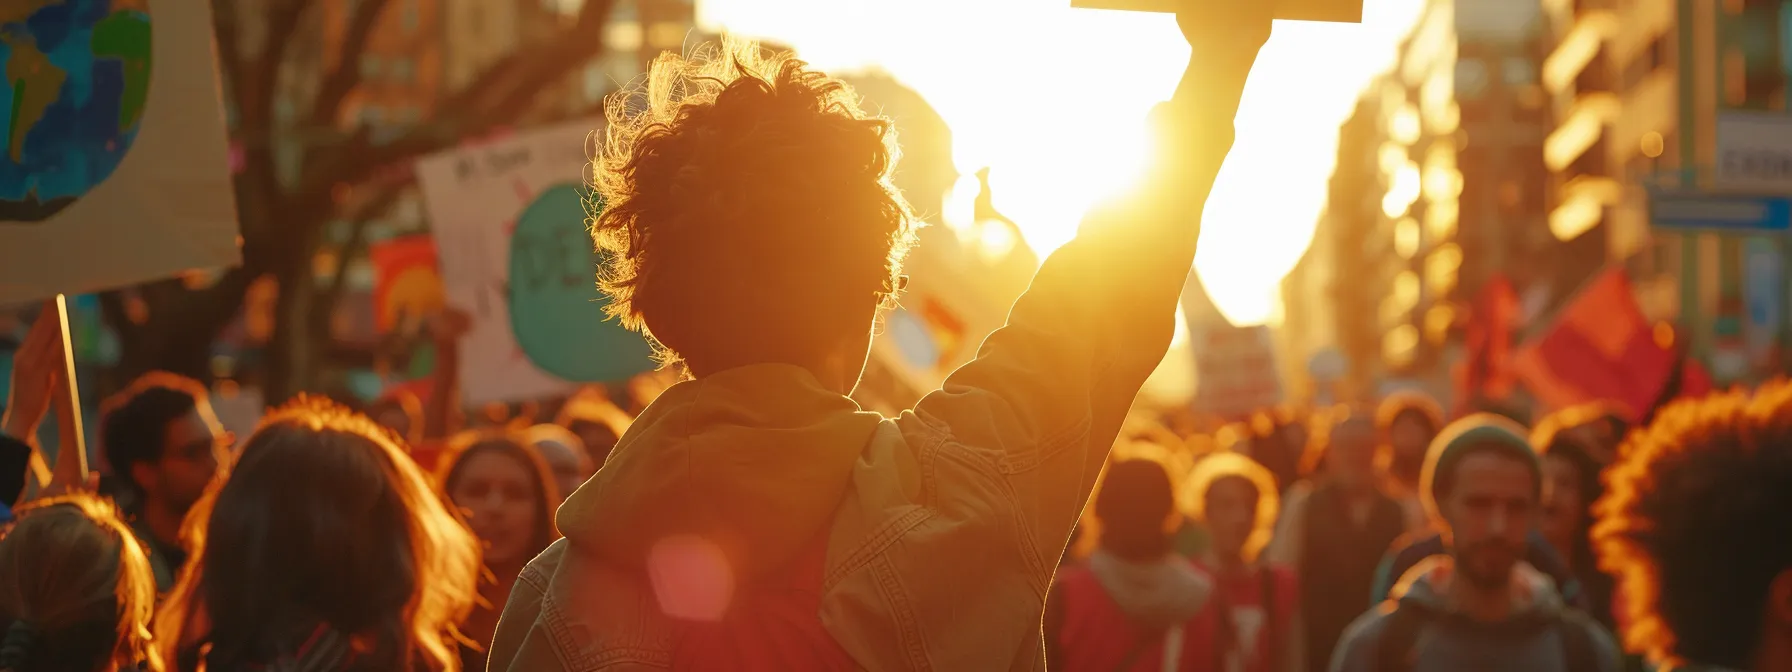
pixel 1340 11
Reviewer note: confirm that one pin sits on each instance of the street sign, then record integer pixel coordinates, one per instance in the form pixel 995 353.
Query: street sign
pixel 1341 11
pixel 1759 214
pixel 1754 152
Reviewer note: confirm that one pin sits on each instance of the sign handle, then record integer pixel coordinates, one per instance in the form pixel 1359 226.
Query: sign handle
pixel 71 456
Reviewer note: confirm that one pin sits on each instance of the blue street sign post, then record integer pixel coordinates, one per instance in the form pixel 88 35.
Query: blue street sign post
pixel 1692 212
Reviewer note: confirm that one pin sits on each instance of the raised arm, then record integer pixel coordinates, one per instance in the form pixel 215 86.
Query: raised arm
pixel 1045 397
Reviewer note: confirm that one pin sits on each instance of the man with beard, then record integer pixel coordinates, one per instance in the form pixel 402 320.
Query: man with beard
pixel 1478 608
pixel 163 444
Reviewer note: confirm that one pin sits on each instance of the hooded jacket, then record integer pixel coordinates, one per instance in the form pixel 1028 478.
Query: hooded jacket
pixel 1526 640
pixel 938 530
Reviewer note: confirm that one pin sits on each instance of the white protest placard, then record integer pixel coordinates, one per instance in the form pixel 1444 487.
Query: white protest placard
pixel 475 196
pixel 114 164
pixel 1235 369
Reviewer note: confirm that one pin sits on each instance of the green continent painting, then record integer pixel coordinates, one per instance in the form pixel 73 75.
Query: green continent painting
pixel 74 77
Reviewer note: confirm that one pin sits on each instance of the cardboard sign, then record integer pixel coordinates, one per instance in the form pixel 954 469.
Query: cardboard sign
pixel 1340 11
pixel 1235 369
pixel 114 165
pixel 474 196
pixel 503 214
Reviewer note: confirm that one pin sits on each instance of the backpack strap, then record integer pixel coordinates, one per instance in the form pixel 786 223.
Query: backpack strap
pixel 1578 650
pixel 1398 649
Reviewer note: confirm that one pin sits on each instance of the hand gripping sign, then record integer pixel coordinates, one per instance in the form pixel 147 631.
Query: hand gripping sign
pixel 1342 11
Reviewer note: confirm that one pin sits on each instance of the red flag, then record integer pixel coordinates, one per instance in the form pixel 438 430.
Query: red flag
pixel 1600 348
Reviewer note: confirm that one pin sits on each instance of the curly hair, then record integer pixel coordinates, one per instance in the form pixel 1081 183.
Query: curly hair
pixel 742 188
pixel 1694 523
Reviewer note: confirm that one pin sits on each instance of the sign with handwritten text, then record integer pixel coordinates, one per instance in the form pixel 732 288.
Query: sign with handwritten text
pixel 556 311
pixel 476 197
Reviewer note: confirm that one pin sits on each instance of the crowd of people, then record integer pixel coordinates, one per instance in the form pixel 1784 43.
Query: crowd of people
pixel 752 516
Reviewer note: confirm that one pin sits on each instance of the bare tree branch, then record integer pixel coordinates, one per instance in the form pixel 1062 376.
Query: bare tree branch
pixel 346 75
pixel 498 96
pixel 380 204
pixel 230 44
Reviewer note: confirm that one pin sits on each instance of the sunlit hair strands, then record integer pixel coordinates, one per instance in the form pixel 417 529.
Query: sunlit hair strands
pixel 1224 465
pixel 745 189
pixel 75 576
pixel 323 525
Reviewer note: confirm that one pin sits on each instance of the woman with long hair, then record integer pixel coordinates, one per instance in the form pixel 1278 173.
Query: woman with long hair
pixel 508 494
pixel 76 591
pixel 325 549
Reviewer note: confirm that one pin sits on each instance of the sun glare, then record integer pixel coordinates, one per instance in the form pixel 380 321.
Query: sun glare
pixel 1053 100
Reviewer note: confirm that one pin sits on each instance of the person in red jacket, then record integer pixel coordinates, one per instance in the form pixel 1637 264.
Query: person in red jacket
pixel 1136 602
pixel 1252 623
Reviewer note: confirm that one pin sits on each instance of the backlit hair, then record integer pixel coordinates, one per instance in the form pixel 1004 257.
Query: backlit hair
pixel 323 520
pixel 1233 465
pixel 72 569
pixel 744 189
pixel 1695 523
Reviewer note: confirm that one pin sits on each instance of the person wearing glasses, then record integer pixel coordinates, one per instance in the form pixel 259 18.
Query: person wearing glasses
pixel 163 444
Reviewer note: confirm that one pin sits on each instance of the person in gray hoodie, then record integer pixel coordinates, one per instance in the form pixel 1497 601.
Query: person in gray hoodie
pixel 1479 607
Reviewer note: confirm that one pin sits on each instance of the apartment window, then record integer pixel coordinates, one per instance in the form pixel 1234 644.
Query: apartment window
pixel 370 67
pixel 403 70
pixel 1471 78
pixel 1659 54
pixel 1519 72
pixel 412 17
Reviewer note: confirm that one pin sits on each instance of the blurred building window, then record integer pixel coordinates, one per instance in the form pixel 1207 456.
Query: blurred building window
pixel 412 17
pixel 625 36
pixel 370 67
pixel 403 69
pixel 1519 71
pixel 595 83
pixel 371 115
pixel 1471 78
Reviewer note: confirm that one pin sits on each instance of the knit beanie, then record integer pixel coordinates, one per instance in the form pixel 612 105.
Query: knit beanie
pixel 1471 434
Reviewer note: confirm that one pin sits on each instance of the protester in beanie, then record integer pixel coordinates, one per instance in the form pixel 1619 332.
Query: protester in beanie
pixel 76 591
pixel 565 456
pixel 1132 605
pixel 751 228
pixel 1407 422
pixel 1478 608
pixel 1697 525
pixel 1335 529
pixel 1576 445
pixel 325 549
pixel 164 443
pixel 508 496
pixel 1252 623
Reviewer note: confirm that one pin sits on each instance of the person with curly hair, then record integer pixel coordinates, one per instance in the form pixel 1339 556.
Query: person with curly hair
pixel 754 516
pixel 76 590
pixel 1696 523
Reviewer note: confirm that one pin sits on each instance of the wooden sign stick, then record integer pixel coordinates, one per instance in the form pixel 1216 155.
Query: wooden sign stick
pixel 71 455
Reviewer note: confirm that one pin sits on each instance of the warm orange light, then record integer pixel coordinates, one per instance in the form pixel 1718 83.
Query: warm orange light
pixel 1652 144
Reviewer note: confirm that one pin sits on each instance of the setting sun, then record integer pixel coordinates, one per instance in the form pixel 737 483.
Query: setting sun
pixel 1054 99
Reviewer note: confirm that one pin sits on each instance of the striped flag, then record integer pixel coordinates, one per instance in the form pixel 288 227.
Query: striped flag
pixel 1600 348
